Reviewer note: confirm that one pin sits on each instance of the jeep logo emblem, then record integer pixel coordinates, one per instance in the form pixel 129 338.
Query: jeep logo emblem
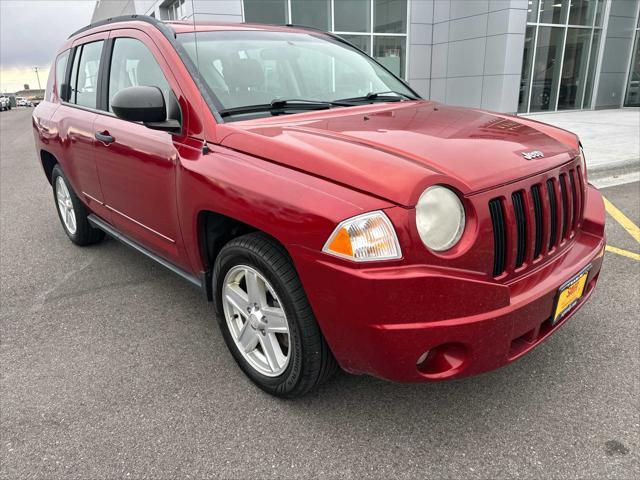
pixel 532 155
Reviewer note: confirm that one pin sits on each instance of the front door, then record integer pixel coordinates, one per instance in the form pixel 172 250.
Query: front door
pixel 137 165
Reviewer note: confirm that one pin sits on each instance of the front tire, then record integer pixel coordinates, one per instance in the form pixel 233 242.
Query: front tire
pixel 266 320
pixel 72 212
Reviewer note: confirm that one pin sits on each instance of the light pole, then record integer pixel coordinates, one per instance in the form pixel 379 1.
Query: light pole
pixel 38 76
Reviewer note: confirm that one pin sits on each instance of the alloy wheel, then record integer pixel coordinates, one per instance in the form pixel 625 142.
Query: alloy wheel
pixel 65 206
pixel 256 320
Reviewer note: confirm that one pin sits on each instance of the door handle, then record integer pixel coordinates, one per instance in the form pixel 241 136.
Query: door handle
pixel 105 137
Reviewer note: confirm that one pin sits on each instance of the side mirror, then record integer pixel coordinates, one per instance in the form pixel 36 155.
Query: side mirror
pixel 140 104
pixel 146 105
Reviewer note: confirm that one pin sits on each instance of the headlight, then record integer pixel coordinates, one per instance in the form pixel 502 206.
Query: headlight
pixel 583 163
pixel 364 238
pixel 440 218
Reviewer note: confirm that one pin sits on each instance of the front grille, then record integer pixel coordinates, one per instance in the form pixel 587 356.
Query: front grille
pixel 537 208
pixel 566 205
pixel 553 214
pixel 499 236
pixel 521 222
pixel 576 190
pixel 543 221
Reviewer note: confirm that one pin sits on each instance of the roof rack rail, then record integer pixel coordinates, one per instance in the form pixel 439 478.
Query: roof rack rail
pixel 319 30
pixel 306 27
pixel 166 31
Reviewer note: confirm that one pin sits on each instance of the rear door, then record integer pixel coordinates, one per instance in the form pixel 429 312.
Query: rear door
pixel 137 165
pixel 75 118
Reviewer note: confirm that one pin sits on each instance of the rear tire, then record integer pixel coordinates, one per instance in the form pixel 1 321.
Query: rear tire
pixel 309 361
pixel 72 212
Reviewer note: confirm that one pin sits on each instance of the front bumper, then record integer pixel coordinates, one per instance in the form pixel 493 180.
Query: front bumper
pixel 382 320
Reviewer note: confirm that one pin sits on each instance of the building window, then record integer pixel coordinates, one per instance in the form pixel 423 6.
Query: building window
pixel 173 10
pixel 562 41
pixel 266 11
pixel 352 16
pixel 377 27
pixel 632 97
pixel 311 13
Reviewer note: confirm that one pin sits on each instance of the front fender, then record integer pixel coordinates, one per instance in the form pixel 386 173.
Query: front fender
pixel 293 207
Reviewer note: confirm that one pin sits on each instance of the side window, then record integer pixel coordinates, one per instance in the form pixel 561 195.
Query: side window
pixel 133 64
pixel 61 70
pixel 84 77
pixel 74 75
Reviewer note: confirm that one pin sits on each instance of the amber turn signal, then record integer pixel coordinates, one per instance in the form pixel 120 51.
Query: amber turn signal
pixel 367 237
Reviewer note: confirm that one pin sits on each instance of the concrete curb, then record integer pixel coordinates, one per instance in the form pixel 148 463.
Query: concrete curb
pixel 618 164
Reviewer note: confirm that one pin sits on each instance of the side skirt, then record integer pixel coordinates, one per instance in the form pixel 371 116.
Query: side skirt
pixel 97 222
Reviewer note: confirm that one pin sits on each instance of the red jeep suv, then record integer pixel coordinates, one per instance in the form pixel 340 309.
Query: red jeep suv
pixel 331 215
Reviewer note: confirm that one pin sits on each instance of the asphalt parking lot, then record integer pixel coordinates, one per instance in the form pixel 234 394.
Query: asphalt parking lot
pixel 113 367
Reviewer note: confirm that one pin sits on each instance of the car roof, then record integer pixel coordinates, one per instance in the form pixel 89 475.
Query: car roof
pixel 185 27
pixel 171 28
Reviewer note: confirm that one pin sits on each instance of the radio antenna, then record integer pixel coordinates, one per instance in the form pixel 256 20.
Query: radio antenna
pixel 205 147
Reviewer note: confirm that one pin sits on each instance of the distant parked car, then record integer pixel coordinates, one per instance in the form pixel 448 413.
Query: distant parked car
pixel 23 102
pixel 5 103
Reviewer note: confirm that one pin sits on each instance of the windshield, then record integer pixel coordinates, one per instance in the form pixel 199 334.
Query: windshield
pixel 243 68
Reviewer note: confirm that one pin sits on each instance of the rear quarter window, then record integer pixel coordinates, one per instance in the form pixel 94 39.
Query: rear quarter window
pixel 61 70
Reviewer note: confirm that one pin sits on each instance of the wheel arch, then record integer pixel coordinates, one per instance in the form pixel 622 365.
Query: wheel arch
pixel 215 230
pixel 48 161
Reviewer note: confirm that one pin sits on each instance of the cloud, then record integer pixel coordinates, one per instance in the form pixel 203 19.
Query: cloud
pixel 31 31
pixel 14 79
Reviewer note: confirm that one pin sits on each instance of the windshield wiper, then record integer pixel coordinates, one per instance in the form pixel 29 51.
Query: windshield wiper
pixel 381 96
pixel 279 106
pixel 296 102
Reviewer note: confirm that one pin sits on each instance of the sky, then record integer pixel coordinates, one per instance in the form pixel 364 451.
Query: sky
pixel 31 31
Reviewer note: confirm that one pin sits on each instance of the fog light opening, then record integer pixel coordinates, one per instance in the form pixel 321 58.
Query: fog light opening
pixel 422 358
pixel 442 361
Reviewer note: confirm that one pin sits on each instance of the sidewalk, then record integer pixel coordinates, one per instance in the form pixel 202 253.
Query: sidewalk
pixel 611 138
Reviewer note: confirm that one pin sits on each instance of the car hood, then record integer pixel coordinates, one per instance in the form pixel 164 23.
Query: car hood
pixel 394 151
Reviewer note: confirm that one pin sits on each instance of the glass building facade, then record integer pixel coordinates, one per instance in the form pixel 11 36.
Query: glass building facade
pixel 522 56
pixel 378 27
pixel 561 46
pixel 632 97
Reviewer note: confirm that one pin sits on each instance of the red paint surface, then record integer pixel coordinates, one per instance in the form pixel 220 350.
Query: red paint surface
pixel 296 177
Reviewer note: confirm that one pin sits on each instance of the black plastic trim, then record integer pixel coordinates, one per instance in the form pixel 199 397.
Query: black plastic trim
pixel 103 77
pixel 517 199
pixel 566 214
pixel 553 212
pixel 97 222
pixel 77 50
pixel 537 210
pixel 128 18
pixel 499 236
pixel 67 73
pixel 574 192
